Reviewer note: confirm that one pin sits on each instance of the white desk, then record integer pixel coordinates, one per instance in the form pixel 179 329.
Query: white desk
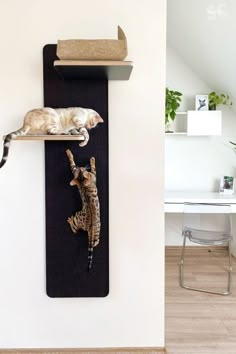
pixel 174 203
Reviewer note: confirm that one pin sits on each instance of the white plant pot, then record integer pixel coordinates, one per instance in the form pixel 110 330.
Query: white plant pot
pixel 170 126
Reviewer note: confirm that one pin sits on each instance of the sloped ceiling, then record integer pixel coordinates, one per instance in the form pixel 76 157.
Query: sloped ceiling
pixel 204 35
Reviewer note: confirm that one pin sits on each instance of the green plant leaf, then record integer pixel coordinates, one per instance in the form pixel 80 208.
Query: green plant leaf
pixel 217 99
pixel 172 102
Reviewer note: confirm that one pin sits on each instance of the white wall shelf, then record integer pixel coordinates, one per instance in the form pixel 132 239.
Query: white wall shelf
pixel 204 123
pixel 195 123
pixel 179 125
pixel 176 133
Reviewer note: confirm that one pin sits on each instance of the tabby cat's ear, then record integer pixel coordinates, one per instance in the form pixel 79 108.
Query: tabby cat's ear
pixel 73 182
pixel 86 174
pixel 99 119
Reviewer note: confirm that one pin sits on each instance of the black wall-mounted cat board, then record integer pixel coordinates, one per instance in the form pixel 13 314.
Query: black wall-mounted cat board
pixel 67 272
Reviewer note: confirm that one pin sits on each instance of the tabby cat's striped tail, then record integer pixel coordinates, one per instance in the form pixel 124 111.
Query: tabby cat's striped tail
pixel 90 257
pixel 6 145
pixel 7 141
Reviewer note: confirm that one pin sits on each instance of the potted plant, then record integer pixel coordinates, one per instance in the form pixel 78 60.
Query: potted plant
pixel 173 100
pixel 218 99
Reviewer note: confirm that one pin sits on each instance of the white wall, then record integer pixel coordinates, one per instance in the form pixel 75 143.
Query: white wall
pixel 187 157
pixel 194 163
pixel 204 37
pixel 132 314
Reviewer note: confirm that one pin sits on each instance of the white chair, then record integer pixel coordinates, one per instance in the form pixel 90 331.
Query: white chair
pixel 207 224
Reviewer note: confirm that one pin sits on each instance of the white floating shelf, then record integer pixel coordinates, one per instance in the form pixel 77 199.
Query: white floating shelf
pixel 204 123
pixel 181 112
pixel 176 133
pixel 197 123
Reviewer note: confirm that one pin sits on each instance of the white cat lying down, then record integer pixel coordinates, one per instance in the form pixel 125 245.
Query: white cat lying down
pixel 73 120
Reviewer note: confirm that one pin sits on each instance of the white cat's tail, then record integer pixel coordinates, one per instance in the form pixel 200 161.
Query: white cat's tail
pixel 7 141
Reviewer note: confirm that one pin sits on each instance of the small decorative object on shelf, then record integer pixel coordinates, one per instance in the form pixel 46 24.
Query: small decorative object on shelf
pixel 87 219
pixel 201 103
pixel 172 103
pixel 216 99
pixel 54 121
pixel 227 185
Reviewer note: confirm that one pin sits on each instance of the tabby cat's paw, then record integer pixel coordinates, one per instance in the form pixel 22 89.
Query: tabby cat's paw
pixel 70 220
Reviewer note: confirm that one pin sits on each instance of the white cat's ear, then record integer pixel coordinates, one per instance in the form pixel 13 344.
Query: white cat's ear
pixel 99 119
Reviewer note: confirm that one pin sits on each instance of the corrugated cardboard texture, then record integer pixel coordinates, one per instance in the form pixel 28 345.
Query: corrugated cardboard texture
pixel 93 49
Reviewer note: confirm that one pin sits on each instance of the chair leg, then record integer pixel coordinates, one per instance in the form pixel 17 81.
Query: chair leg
pixel 230 270
pixel 181 278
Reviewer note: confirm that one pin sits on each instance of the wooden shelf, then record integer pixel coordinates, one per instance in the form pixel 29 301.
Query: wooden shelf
pixel 49 137
pixel 93 69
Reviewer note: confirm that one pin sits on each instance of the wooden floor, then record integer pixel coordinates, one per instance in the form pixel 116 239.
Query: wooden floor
pixel 199 323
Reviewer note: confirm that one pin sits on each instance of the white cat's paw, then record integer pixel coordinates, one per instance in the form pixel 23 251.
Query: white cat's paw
pixel 83 143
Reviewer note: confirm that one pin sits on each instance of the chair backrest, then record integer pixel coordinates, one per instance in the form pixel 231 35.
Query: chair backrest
pixel 207 217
